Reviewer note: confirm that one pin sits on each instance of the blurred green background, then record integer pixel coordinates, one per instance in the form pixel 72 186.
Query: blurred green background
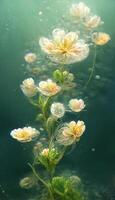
pixel 21 26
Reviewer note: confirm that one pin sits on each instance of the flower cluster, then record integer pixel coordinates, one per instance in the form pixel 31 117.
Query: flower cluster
pixel 79 10
pixel 47 88
pixel 82 12
pixel 58 109
pixel 47 95
pixel 83 15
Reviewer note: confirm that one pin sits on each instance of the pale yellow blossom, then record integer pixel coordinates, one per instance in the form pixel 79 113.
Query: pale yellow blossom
pixel 70 133
pixel 79 10
pixel 64 48
pixel 93 22
pixel 30 57
pixel 57 110
pixel 28 87
pixel 100 38
pixel 76 105
pixel 25 134
pixel 48 88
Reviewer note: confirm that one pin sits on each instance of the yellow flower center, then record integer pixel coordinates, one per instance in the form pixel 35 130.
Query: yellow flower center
pixel 23 134
pixel 64 46
pixel 52 87
pixel 76 130
pixel 101 40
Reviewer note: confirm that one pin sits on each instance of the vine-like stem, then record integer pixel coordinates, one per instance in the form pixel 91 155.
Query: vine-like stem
pixel 51 169
pixel 33 102
pixel 93 67
pixel 42 181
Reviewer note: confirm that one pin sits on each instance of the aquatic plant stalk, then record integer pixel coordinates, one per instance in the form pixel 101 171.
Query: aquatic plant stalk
pixel 42 181
pixel 93 66
pixel 64 48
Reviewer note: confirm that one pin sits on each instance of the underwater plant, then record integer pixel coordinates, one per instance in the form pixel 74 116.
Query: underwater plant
pixel 58 136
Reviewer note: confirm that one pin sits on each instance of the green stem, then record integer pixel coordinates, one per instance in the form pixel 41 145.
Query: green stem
pixel 93 67
pixel 33 102
pixel 44 108
pixel 42 181
pixel 38 177
pixel 44 112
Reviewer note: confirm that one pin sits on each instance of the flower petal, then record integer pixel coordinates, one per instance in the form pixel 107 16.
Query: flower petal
pixel 71 37
pixel 46 45
pixel 65 139
pixel 58 35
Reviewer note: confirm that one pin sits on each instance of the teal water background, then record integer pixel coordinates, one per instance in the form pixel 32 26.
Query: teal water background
pixel 21 26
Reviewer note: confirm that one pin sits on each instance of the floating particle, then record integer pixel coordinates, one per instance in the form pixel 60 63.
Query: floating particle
pixel 63 16
pixel 97 77
pixel 37 148
pixel 40 13
pixel 93 149
pixel 48 8
pixel 43 139
pixel 41 129
pixel 41 20
pixel 90 69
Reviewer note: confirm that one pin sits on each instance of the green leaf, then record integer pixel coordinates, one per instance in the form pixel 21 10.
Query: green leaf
pixel 53 156
pixel 58 75
pixel 46 104
pixel 41 101
pixel 58 184
pixel 43 160
pixel 63 187
pixel 39 117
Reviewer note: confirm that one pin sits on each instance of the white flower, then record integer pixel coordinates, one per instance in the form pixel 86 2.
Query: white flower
pixel 28 87
pixel 76 105
pixel 25 134
pixel 93 22
pixel 100 38
pixel 57 110
pixel 30 57
pixel 64 48
pixel 48 88
pixel 79 10
pixel 70 133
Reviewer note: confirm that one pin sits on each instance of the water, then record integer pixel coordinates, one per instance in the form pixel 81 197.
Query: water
pixel 21 24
